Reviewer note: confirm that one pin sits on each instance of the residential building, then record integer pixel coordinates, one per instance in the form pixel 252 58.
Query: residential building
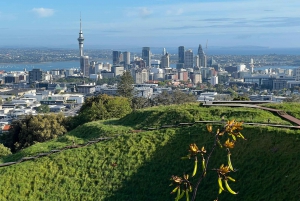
pixel 140 75
pixel 36 75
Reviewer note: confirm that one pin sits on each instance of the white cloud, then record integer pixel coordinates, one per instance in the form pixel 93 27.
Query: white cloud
pixel 178 11
pixel 144 12
pixel 43 12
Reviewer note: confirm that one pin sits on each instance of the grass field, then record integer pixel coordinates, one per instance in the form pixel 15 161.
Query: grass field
pixel 138 166
pixel 290 108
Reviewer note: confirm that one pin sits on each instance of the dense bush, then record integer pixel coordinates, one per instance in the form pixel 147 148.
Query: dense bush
pixel 26 132
pixel 4 151
pixel 99 108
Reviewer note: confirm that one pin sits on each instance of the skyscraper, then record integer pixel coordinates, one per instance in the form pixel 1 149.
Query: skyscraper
pixel 181 54
pixel 85 66
pixel 165 61
pixel 164 51
pixel 146 56
pixel 126 56
pixel 188 59
pixel 80 40
pixel 196 61
pixel 116 57
pixel 202 56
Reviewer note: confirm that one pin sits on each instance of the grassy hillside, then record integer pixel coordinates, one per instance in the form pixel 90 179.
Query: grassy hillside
pixel 157 116
pixel 290 108
pixel 138 166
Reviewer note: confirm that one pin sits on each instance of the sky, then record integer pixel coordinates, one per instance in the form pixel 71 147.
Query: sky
pixel 154 23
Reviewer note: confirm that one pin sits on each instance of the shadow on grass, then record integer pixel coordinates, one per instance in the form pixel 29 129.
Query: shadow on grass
pixel 152 179
pixel 266 161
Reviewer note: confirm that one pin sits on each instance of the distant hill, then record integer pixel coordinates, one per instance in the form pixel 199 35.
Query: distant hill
pixel 137 164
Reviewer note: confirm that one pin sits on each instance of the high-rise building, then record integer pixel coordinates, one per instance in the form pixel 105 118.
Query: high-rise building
pixel 116 57
pixel 164 51
pixel 85 65
pixel 181 52
pixel 126 57
pixel 80 40
pixel 188 59
pixel 36 75
pixel 196 61
pixel 165 61
pixel 146 56
pixel 202 56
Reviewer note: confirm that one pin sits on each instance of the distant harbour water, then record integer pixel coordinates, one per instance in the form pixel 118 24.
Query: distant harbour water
pixel 47 66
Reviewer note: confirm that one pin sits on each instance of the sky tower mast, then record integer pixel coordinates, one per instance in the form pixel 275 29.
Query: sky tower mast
pixel 80 40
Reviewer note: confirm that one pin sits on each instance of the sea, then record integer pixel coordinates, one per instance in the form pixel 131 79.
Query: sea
pixel 48 66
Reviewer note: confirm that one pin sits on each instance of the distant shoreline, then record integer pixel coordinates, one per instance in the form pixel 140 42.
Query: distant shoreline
pixel 44 62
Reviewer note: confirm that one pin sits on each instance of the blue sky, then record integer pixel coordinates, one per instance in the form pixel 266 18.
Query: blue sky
pixel 155 23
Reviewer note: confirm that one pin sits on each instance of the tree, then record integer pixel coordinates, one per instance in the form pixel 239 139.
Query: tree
pixel 293 98
pixel 32 129
pixel 140 102
pixel 43 108
pixel 241 98
pixel 101 107
pixel 176 97
pixel 125 85
pixel 4 151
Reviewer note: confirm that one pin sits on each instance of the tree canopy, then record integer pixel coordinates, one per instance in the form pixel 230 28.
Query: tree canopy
pixel 32 129
pixel 102 107
pixel 125 85
pixel 43 108
pixel 176 97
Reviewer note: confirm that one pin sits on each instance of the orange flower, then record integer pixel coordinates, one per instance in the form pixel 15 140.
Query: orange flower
pixel 229 144
pixel 193 149
pixel 209 128
pixel 223 169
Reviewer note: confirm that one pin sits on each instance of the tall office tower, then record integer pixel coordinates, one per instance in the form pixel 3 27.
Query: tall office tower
pixel 85 65
pixel 164 51
pixel 116 57
pixel 196 61
pixel 181 54
pixel 188 59
pixel 146 56
pixel 202 56
pixel 80 40
pixel 165 61
pixel 121 57
pixel 126 57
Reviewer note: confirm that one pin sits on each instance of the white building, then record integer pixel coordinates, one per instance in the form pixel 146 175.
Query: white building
pixel 241 67
pixel 214 80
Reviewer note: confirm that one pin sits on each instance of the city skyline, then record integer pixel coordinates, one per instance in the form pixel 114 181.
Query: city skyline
pixel 159 23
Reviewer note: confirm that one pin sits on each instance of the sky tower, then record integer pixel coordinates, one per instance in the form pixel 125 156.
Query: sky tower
pixel 80 40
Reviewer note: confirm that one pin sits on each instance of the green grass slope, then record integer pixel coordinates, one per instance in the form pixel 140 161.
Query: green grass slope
pixel 158 116
pixel 138 166
pixel 290 108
